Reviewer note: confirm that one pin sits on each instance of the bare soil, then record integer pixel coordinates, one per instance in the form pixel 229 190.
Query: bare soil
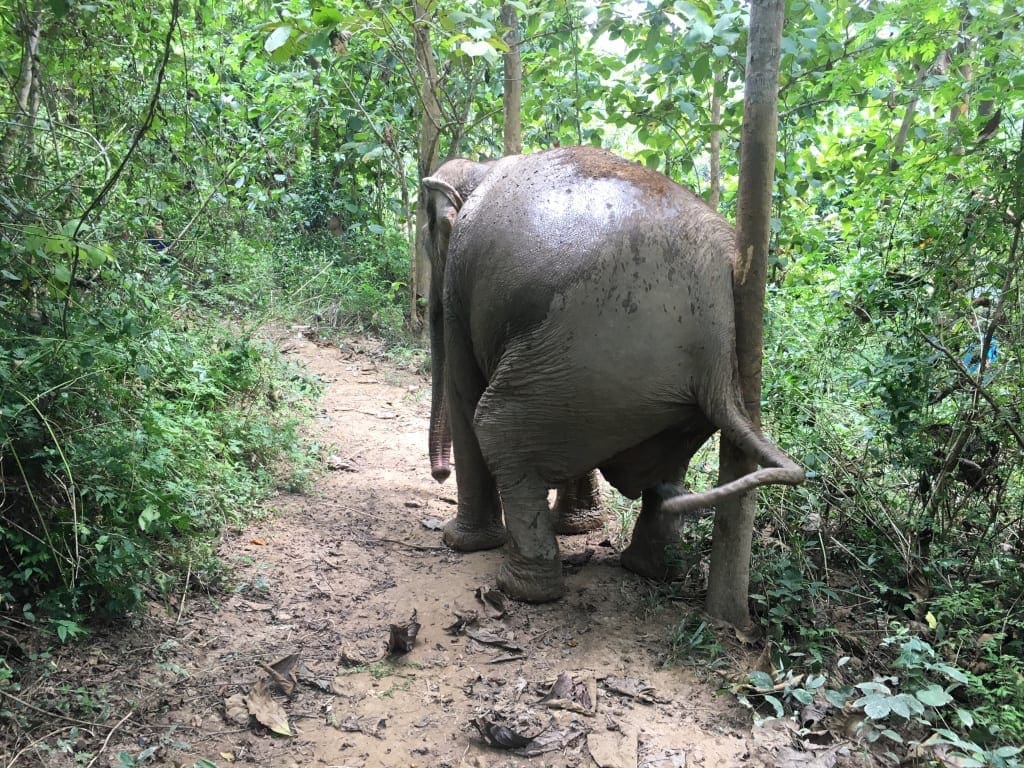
pixel 301 639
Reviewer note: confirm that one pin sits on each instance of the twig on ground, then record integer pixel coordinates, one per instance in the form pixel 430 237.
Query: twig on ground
pixel 106 741
pixel 48 713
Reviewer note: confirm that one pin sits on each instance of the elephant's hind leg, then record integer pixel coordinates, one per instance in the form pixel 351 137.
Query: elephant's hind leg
pixel 532 570
pixel 578 506
pixel 652 552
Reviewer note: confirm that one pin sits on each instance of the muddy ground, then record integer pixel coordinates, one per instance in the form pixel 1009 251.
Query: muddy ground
pixel 299 644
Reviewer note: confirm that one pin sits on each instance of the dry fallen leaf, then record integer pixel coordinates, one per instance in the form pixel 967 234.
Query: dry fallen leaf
pixel 573 695
pixel 283 673
pixel 369 726
pixel 501 736
pixel 633 688
pixel 337 463
pixel 402 637
pixel 258 542
pixel 494 601
pixel 463 619
pixel 577 560
pixel 267 711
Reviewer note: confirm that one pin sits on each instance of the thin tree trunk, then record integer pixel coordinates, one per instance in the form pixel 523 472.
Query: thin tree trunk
pixel 715 165
pixel 26 90
pixel 430 136
pixel 729 579
pixel 908 120
pixel 513 94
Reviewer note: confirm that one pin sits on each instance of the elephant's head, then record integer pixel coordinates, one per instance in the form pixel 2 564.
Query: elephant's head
pixel 442 195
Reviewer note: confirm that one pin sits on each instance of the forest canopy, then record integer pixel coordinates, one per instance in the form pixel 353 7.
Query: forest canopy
pixel 175 176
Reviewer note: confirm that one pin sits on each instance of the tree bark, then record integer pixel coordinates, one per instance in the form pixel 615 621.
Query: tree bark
pixel 513 94
pixel 430 136
pixel 715 164
pixel 729 579
pixel 26 90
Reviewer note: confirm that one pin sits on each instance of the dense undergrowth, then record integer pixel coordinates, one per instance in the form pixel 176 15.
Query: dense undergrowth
pixel 143 408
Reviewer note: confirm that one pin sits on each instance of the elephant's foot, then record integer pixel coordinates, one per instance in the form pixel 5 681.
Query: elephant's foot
pixel 651 561
pixel 652 553
pixel 533 581
pixel 569 522
pixel 466 538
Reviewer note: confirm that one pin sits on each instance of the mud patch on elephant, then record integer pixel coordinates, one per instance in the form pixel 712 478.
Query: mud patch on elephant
pixel 351 636
pixel 604 165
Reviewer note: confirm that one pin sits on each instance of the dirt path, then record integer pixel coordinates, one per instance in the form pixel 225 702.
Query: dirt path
pixel 325 575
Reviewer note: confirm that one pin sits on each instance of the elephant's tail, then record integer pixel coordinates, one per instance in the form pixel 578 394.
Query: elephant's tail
pixel 776 468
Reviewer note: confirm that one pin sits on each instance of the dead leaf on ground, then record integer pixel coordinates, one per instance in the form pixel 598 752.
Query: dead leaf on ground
pixel 340 464
pixel 791 757
pixel 490 638
pixel 463 619
pixel 577 560
pixel 369 726
pixel 267 711
pixel 236 710
pixel 283 673
pixel 632 688
pixel 494 601
pixel 246 605
pixel 573 695
pixel 349 657
pixel 402 637
pixel 501 736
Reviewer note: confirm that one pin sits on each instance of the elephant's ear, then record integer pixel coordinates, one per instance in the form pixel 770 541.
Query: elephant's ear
pixel 444 205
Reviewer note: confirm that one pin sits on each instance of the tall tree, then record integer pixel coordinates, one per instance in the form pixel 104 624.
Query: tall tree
pixel 729 579
pixel 513 96
pixel 429 149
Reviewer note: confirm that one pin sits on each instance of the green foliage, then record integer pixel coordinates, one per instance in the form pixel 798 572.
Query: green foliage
pixel 128 437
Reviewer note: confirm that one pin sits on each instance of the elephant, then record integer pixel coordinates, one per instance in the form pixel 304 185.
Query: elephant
pixel 581 317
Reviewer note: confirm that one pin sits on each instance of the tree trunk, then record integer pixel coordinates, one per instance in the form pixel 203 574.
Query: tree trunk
pixel 729 580
pixel 430 135
pixel 26 89
pixel 715 165
pixel 513 95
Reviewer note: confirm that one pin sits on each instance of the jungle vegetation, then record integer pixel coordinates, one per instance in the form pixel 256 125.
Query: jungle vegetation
pixel 174 176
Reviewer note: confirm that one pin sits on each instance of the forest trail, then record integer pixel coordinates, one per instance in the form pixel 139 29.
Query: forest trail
pixel 324 575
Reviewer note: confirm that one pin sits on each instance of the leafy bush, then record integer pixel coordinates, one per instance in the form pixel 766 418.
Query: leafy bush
pixel 134 426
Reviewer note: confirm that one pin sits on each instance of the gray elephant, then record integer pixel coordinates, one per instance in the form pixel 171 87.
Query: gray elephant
pixel 581 315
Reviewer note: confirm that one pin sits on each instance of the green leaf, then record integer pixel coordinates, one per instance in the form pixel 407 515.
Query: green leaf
pixel 837 699
pixel 148 516
pixel 61 274
pixel 761 680
pixel 277 38
pixel 933 696
pixel 876 706
pixel 776 705
pixel 326 15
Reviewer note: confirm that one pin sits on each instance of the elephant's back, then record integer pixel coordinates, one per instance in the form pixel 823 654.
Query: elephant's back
pixel 579 240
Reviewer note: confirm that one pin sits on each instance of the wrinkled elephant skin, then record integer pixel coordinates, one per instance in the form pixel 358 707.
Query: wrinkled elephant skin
pixel 581 317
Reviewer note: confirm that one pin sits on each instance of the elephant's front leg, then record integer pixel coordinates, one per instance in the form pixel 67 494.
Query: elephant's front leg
pixel 578 506
pixel 532 570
